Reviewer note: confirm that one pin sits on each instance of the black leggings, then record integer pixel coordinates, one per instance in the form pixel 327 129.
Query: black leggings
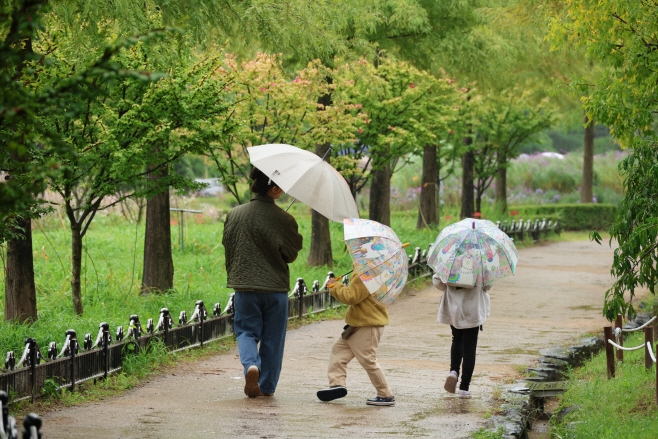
pixel 464 344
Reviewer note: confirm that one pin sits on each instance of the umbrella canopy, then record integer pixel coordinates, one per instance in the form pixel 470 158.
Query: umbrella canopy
pixel 306 177
pixel 473 251
pixel 379 258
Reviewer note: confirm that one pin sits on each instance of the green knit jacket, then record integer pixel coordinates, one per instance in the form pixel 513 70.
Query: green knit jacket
pixel 260 240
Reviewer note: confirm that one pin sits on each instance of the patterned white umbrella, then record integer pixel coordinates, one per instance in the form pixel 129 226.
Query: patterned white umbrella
pixel 473 251
pixel 306 177
pixel 379 258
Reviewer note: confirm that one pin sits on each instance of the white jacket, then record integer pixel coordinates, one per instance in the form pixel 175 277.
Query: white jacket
pixel 462 308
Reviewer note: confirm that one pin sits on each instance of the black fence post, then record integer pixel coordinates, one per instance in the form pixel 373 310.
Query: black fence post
pixel 32 424
pixel 301 289
pixel 166 333
pixel 32 353
pixel 106 349
pixel 136 329
pixel 4 402
pixel 202 318
pixel 73 347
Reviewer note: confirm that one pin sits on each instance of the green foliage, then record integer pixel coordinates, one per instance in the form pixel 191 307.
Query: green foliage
pixel 483 433
pixel 147 360
pixel 509 119
pixel 301 27
pixel 635 229
pixel 50 388
pixel 25 101
pixel 621 35
pixel 305 111
pixel 572 216
pixel 504 122
pixel 404 109
pixel 629 409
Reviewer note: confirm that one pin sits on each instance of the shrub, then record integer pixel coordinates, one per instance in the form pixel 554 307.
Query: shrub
pixel 572 216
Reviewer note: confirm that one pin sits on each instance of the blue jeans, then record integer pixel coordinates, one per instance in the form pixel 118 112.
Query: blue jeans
pixel 261 317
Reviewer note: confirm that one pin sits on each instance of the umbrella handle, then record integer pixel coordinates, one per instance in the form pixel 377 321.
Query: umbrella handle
pixel 341 276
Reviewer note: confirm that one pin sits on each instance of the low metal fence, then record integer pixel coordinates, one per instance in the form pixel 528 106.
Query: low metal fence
pixel 614 341
pixel 518 229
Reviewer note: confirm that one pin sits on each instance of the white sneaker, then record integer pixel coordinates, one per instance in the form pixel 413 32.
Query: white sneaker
pixel 464 394
pixel 451 382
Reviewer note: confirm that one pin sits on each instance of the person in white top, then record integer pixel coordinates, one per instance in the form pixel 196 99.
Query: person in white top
pixel 465 310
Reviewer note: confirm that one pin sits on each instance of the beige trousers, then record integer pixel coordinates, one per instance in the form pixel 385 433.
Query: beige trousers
pixel 362 344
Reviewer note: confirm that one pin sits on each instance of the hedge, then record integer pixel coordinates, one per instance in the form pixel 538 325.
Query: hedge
pixel 572 216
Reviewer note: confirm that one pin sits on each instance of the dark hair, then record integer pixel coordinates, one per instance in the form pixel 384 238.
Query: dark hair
pixel 261 183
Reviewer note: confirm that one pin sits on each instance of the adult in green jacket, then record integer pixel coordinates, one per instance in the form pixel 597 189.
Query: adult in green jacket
pixel 260 240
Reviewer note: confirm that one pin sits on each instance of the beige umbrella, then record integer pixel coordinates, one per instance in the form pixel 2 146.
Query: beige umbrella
pixel 307 177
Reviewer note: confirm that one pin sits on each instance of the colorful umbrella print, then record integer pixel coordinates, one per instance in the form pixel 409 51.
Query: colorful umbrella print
pixel 379 258
pixel 473 251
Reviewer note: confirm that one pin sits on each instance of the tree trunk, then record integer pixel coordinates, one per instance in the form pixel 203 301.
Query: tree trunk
pixel 380 195
pixel 158 275
pixel 20 293
pixel 438 187
pixel 501 187
pixel 427 211
pixel 468 160
pixel 76 267
pixel 478 200
pixel 587 186
pixel 320 251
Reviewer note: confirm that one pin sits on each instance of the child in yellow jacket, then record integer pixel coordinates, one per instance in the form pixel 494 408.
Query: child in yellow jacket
pixel 365 325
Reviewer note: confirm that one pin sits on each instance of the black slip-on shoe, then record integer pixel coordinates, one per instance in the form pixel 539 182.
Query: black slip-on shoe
pixel 378 400
pixel 333 392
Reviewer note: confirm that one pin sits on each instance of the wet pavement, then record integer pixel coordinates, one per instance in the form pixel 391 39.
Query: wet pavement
pixel 556 295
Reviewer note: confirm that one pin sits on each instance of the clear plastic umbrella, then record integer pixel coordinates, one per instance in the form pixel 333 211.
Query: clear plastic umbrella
pixel 473 251
pixel 307 177
pixel 379 258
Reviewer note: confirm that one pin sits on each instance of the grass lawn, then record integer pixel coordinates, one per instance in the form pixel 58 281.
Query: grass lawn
pixel 623 407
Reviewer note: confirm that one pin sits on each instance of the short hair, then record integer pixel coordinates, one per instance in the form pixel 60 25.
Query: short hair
pixel 261 183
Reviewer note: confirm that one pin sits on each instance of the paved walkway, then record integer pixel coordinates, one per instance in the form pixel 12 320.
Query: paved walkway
pixel 555 295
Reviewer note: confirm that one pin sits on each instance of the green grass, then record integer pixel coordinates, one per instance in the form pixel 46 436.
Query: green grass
pixel 623 407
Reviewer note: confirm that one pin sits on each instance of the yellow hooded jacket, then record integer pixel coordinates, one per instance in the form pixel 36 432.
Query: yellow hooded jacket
pixel 363 311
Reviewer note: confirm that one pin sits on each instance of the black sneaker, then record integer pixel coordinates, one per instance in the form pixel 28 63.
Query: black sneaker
pixel 381 401
pixel 333 392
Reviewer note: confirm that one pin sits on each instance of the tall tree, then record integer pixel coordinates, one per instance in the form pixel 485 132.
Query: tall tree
pixel 587 185
pixel 468 187
pixel 427 211
pixel 436 35
pixel 20 292
pixel 34 151
pixel 305 30
pixel 506 121
pixel 621 34
pixel 402 103
pixel 186 111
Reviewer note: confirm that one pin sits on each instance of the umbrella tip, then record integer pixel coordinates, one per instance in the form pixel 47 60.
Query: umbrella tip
pixel 405 245
pixel 473 224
